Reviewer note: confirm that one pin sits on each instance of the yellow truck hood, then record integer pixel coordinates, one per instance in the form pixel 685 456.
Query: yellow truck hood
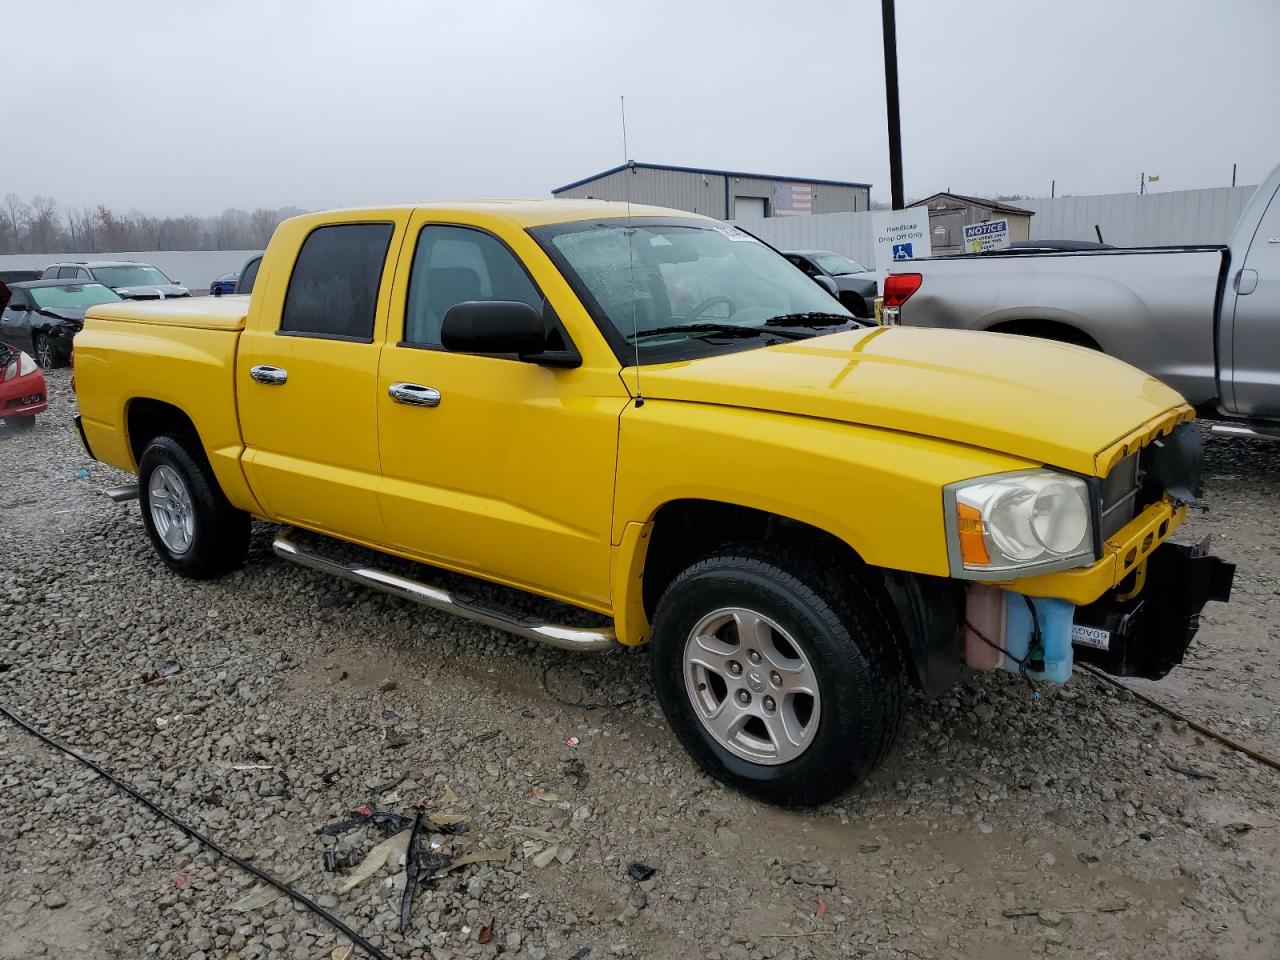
pixel 1055 404
pixel 201 313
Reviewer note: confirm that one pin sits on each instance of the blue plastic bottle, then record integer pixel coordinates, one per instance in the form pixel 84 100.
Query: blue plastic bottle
pixel 1055 629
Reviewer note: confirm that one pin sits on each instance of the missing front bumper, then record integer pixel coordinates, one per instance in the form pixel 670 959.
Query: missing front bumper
pixel 1148 635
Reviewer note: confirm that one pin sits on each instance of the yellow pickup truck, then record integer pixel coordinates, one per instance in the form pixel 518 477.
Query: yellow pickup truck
pixel 655 417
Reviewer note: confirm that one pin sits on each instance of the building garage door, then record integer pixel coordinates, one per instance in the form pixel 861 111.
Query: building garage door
pixel 748 207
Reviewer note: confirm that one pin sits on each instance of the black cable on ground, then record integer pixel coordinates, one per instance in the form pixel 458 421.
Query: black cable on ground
pixel 196 835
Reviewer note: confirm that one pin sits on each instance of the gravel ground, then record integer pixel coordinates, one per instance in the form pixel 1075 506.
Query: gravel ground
pixel 999 828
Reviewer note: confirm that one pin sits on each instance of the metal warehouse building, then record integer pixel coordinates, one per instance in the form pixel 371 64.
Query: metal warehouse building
pixel 723 194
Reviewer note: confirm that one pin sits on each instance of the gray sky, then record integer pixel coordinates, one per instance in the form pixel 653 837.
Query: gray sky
pixel 191 107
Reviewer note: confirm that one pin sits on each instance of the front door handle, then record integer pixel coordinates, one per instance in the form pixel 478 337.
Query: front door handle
pixel 271 376
pixel 415 395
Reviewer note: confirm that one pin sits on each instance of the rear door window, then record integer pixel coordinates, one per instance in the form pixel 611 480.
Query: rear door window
pixel 66 273
pixel 333 291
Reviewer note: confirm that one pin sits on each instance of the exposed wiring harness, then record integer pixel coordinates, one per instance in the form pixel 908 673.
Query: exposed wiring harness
pixel 196 835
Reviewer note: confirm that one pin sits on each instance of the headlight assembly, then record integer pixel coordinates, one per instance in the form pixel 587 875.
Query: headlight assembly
pixel 1017 524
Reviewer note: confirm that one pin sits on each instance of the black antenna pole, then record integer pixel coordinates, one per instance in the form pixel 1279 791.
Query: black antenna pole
pixel 889 24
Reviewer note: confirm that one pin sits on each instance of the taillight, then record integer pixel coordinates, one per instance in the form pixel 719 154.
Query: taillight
pixel 898 288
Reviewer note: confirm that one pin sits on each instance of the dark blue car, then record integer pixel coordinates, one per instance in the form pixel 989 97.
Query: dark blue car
pixel 224 284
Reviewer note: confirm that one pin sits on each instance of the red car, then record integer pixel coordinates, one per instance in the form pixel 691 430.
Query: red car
pixel 22 389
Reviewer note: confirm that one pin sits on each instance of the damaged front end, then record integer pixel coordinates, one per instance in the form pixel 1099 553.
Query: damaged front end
pixel 1133 612
pixel 1145 631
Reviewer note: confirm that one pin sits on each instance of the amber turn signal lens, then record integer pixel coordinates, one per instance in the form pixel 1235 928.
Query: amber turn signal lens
pixel 973 546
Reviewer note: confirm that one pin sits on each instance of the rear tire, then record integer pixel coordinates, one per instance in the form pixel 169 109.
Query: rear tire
pixel 821 630
pixel 192 526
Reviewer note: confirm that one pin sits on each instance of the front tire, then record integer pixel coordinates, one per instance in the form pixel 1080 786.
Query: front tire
pixel 192 526
pixel 780 677
pixel 46 354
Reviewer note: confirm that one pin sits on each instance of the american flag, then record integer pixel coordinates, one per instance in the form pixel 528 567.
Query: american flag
pixel 792 199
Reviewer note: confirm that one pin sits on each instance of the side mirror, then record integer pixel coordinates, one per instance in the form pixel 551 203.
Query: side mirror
pixel 827 284
pixel 493 326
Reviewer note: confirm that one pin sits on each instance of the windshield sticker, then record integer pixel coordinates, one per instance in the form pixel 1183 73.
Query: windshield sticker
pixel 733 233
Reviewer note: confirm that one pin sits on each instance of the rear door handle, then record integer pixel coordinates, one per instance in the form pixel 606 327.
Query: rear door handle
pixel 414 394
pixel 271 376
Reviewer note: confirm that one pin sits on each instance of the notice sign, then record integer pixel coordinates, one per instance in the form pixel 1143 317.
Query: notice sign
pixel 900 235
pixel 988 235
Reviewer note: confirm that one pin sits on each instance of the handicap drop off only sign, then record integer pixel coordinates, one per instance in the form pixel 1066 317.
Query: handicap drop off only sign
pixel 900 235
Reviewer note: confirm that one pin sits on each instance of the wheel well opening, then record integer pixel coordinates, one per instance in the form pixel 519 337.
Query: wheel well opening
pixel 1047 330
pixel 147 419
pixel 923 612
pixel 686 530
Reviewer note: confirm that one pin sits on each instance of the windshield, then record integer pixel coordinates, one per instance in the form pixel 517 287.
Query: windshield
pixel 72 295
pixel 837 264
pixel 683 275
pixel 133 275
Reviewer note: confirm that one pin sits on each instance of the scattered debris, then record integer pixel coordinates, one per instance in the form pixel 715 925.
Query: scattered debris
pixel 386 686
pixel 1195 773
pixel 331 861
pixel 181 881
pixel 387 787
pixel 822 909
pixel 395 741
pixel 341 953
pixel 482 856
pixel 582 954
pixel 252 766
pixel 262 895
pixel 1116 907
pixel 1237 827
pixel 410 872
pixel 330 777
pixel 868 847
pixel 485 933
pixel 576 770
pixel 640 871
pixel 545 857
pixel 391 850
pixel 573 741
pixel 802 874
pixel 157 677
pixel 1086 858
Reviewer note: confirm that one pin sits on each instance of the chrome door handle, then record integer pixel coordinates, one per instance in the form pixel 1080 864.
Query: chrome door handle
pixel 415 395
pixel 271 376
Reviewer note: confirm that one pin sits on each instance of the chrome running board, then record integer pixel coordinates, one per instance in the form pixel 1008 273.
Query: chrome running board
pixel 123 494
pixel 531 628
pixel 1252 431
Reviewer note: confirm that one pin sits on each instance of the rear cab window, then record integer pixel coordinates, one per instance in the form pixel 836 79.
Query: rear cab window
pixel 333 291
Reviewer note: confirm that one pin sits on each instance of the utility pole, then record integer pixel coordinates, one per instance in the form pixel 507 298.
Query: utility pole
pixel 889 26
pixel 1053 189
pixel 1142 183
pixel 1233 174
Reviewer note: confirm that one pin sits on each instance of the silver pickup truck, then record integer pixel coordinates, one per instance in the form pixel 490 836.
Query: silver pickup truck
pixel 1205 319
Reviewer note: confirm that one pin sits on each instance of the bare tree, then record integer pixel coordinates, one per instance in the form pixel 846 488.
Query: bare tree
pixel 15 215
pixel 39 227
pixel 44 228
